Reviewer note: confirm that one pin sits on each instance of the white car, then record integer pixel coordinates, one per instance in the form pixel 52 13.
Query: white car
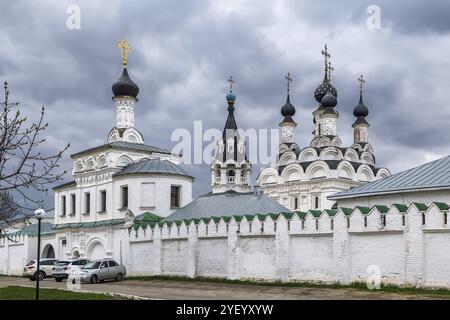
pixel 64 269
pixel 45 269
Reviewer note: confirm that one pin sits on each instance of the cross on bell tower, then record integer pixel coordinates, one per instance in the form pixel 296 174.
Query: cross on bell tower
pixel 326 55
pixel 289 81
pixel 124 47
pixel 361 84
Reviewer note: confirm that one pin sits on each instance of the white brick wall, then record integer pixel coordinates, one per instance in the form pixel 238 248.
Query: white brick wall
pixel 410 254
pixel 406 254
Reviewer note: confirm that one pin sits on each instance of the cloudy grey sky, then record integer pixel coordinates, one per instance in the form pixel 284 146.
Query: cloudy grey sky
pixel 183 52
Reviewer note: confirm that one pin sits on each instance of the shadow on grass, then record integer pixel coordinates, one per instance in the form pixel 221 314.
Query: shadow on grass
pixel 23 293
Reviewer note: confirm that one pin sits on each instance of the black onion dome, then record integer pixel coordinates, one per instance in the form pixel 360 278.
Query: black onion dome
pixel 360 110
pixel 288 109
pixel 322 90
pixel 125 86
pixel 328 100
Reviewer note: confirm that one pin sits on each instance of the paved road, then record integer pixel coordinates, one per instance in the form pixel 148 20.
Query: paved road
pixel 182 290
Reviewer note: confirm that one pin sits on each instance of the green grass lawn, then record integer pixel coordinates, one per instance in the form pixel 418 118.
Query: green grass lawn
pixel 22 293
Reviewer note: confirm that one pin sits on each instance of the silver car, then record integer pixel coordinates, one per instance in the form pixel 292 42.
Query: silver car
pixel 100 270
pixel 63 269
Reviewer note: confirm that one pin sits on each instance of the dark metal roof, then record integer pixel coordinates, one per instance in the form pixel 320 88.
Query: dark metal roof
pixel 66 184
pixel 154 166
pixel 125 146
pixel 434 174
pixel 229 203
pixel 332 164
pixel 125 86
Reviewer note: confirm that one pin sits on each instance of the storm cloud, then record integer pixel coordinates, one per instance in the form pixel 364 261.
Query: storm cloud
pixel 183 52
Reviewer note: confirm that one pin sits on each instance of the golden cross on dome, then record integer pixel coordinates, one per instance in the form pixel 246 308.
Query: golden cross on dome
pixel 124 49
pixel 327 55
pixel 361 83
pixel 289 80
pixel 231 82
pixel 330 68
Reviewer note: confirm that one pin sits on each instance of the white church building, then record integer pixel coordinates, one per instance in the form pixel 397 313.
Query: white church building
pixel 305 176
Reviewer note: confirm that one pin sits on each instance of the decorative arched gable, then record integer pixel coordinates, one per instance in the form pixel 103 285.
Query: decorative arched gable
pixel 345 170
pixel 287 158
pixel 292 172
pixel 317 170
pixel 308 154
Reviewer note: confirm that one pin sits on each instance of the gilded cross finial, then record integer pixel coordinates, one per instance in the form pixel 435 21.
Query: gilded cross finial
pixel 327 56
pixel 289 80
pixel 361 84
pixel 231 82
pixel 124 47
pixel 330 68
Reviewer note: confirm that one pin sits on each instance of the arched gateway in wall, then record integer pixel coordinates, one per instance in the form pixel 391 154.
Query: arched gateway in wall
pixel 48 252
pixel 95 250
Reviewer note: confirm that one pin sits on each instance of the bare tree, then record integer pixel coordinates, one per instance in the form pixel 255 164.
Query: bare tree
pixel 24 170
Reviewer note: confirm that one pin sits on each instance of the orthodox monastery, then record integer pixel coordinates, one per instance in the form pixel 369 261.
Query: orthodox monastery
pixel 325 213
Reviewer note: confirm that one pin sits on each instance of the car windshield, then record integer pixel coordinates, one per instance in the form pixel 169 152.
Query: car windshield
pixel 92 265
pixel 62 263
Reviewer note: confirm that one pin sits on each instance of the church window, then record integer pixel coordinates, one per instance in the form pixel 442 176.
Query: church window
pixel 103 201
pixel 249 227
pixel 348 222
pixel 275 226
pixel 316 202
pixel 303 224
pixel 403 219
pixel 423 218
pixel 365 222
pixel 175 196
pixel 262 226
pixel 289 225
pixel 332 224
pixel 295 203
pixel 63 205
pixel 73 205
pixel 317 224
pixel 87 203
pixel 124 196
pixel 383 220
pixel 445 218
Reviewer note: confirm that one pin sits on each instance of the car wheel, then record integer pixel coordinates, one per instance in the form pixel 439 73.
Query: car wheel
pixel 94 279
pixel 119 277
pixel 32 278
pixel 58 279
pixel 41 275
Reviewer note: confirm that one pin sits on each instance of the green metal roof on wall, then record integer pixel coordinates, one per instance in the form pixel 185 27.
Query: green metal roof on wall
pixel 154 166
pixel 431 175
pixel 32 230
pixel 147 217
pixel 381 209
pixel 101 223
